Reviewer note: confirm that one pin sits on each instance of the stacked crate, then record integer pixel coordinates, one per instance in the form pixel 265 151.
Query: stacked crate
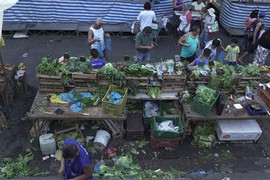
pixel 244 81
pixel 134 126
pixel 193 83
pixel 166 138
pixel 50 84
pixel 103 81
pixel 265 96
pixel 173 82
pixel 141 83
pixel 85 82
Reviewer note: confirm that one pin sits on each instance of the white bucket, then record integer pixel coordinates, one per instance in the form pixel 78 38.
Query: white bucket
pixel 101 140
pixel 47 144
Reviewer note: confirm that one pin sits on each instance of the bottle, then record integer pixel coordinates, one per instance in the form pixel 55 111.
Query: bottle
pixel 220 104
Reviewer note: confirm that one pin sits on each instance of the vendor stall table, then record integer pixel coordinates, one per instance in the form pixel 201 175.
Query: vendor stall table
pixel 188 115
pixel 44 109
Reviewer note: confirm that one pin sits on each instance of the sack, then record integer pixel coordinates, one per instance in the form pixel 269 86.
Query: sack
pixel 213 28
pixel 2 42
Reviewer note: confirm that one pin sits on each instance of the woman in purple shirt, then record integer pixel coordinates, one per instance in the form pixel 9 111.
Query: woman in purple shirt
pixel 177 5
pixel 75 162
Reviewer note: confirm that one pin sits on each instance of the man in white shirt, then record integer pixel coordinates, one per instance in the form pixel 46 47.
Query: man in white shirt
pixel 147 16
pixel 198 6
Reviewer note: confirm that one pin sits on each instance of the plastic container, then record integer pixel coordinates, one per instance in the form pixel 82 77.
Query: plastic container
pixel 47 144
pixel 202 108
pixel 164 142
pixel 115 109
pixel 167 134
pixel 101 140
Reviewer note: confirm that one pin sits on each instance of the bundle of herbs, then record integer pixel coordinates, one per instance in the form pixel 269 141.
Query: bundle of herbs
pixel 250 70
pixel 75 65
pixel 49 67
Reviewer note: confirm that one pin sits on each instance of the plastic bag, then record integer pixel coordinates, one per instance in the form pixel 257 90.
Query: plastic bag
pixel 248 93
pixel 108 44
pixel 100 50
pixel 151 109
pixel 167 126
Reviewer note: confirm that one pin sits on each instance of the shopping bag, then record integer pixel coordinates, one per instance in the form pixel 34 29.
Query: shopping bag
pixel 2 42
pixel 213 28
pixel 108 44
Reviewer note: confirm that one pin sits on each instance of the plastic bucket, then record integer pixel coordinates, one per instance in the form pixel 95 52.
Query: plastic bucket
pixel 47 144
pixel 101 140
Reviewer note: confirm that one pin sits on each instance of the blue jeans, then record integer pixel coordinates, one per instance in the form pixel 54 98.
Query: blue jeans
pixel 204 37
pixel 143 56
pixel 232 64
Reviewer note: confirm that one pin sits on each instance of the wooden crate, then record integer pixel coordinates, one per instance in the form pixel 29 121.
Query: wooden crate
pixel 103 81
pixel 192 84
pixel 75 128
pixel 135 129
pixel 115 127
pixel 265 95
pixel 49 84
pixel 245 81
pixel 21 85
pixel 78 77
pixel 140 82
pixel 164 142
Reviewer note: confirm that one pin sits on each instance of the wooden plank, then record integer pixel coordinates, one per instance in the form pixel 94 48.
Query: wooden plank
pixel 48 77
pixel 82 89
pixel 50 83
pixel 81 76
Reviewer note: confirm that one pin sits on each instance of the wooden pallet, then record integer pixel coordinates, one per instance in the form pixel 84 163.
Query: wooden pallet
pixel 265 95
pixel 173 82
pixel 103 81
pixel 117 129
pixel 21 85
pixel 141 82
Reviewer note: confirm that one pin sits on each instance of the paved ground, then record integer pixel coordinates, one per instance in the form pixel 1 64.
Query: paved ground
pixel 251 161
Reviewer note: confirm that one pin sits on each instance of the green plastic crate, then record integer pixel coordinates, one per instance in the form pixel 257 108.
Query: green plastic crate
pixel 203 108
pixel 177 121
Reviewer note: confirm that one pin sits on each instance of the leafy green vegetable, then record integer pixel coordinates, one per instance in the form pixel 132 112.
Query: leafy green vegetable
pixel 154 92
pixel 137 70
pixel 19 167
pixel 251 70
pixel 49 67
pixel 205 94
pixel 108 69
pixel 75 65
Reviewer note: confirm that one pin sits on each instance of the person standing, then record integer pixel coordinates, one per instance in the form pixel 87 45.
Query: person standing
pixel 208 19
pixel 185 19
pixel 231 52
pixel 189 42
pixel 263 48
pixel 147 16
pixel 254 36
pixel 75 162
pixel 96 37
pixel 177 5
pixel 143 44
pixel 198 6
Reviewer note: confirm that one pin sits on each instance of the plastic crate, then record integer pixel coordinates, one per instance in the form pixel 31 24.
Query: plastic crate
pixel 135 129
pixel 115 109
pixel 177 121
pixel 164 142
pixel 203 108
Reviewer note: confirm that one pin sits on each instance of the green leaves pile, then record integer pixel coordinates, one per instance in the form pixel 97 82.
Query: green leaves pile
pixel 204 135
pixel 11 168
pixel 49 67
pixel 154 92
pixel 139 70
pixel 250 70
pixel 75 65
pixel 205 94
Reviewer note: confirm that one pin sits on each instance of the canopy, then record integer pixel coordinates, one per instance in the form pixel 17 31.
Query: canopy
pixel 5 4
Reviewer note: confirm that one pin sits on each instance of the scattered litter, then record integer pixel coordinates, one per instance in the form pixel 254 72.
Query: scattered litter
pixel 134 151
pixel 94 127
pixel 198 173
pixel 52 155
pixel 158 170
pixel 216 155
pixel 97 165
pixel 226 178
pixel 89 138
pixel 24 118
pixel 110 152
pixel 19 34
pixel 45 158
pixel 82 127
pixel 51 40
pixel 143 152
pixel 25 55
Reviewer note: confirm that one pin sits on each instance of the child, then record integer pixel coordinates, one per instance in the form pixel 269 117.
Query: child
pixel 202 59
pixel 95 61
pixel 232 52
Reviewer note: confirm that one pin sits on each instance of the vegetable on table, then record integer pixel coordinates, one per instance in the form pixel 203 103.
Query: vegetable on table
pixel 154 92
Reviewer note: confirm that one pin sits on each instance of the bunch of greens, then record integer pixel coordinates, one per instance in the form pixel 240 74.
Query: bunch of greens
pixel 49 67
pixel 19 167
pixel 75 65
pixel 138 70
pixel 154 92
pixel 205 94
pixel 250 70
pixel 60 138
pixel 108 69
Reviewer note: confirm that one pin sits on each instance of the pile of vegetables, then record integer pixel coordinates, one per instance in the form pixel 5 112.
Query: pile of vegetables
pixel 75 65
pixel 49 67
pixel 250 70
pixel 204 135
pixel 60 138
pixel 139 70
pixel 205 94
pixel 19 167
pixel 154 92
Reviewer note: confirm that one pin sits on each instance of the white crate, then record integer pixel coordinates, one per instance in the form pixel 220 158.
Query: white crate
pixel 237 130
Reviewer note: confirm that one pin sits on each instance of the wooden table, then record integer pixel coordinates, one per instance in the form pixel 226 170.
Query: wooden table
pixel 44 109
pixel 188 115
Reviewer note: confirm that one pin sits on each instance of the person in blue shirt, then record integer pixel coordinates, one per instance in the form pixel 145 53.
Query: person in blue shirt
pixel 202 59
pixel 96 62
pixel 76 162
